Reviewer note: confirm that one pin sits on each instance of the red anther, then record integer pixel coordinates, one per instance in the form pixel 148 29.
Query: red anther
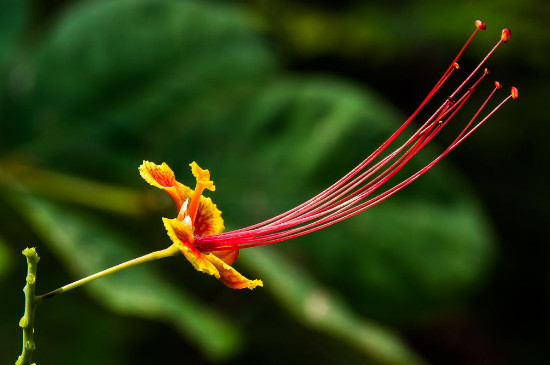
pixel 498 85
pixel 515 93
pixel 506 34
pixel 480 25
pixel 486 71
pixel 456 65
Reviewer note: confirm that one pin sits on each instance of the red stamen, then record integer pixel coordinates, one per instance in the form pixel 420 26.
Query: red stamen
pixel 453 66
pixel 344 214
pixel 480 64
pixel 348 196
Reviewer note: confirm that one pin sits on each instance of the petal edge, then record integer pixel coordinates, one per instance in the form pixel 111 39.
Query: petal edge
pixel 182 236
pixel 160 176
pixel 231 277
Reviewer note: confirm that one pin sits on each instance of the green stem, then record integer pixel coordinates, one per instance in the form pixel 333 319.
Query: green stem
pixel 27 322
pixel 170 251
pixel 32 301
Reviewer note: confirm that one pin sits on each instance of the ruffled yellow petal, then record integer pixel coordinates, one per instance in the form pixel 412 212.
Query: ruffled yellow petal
pixel 231 277
pixel 162 177
pixel 202 176
pixel 182 235
pixel 200 218
pixel 208 218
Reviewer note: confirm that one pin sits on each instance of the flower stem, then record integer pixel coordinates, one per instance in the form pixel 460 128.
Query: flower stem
pixel 32 301
pixel 27 321
pixel 170 251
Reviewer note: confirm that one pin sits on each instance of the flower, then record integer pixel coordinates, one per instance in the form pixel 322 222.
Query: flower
pixel 197 230
pixel 197 216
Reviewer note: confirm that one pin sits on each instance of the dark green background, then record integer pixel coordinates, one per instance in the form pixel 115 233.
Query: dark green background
pixel 278 99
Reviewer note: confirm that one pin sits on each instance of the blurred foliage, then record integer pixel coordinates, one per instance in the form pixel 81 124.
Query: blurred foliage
pixel 11 21
pixel 6 258
pixel 397 29
pixel 326 312
pixel 102 85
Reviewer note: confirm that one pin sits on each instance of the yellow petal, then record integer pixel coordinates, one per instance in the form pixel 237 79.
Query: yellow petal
pixel 202 176
pixel 231 277
pixel 162 177
pixel 182 235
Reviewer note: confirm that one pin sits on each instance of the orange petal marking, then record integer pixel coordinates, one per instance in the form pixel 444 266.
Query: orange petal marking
pixel 231 277
pixel 229 256
pixel 162 177
pixel 208 220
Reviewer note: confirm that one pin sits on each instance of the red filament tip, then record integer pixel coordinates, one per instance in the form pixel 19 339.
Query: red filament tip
pixel 515 93
pixel 498 85
pixel 486 71
pixel 456 66
pixel 506 34
pixel 480 25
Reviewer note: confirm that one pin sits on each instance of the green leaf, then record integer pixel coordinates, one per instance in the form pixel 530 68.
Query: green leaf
pixel 296 124
pixel 11 21
pixel 114 70
pixel 85 248
pixel 6 258
pixel 424 248
pixel 323 310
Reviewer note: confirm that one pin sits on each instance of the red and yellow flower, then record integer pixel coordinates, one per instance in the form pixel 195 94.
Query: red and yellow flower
pixel 197 216
pixel 197 229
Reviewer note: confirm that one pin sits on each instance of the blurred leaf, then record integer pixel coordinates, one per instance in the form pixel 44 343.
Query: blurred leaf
pixel 85 248
pixel 407 258
pixel 424 248
pixel 296 124
pixel 75 190
pixel 14 76
pixel 11 21
pixel 6 258
pixel 318 308
pixel 379 32
pixel 112 72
